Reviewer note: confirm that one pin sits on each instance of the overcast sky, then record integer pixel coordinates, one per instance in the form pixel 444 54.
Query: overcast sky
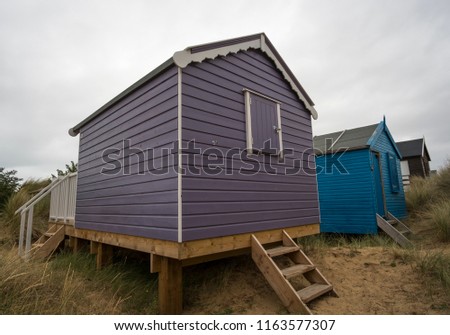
pixel 358 60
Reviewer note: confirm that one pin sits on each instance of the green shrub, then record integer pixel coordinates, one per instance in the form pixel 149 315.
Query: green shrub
pixel 9 183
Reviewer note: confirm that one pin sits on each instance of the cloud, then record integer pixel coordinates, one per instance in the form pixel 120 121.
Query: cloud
pixel 359 60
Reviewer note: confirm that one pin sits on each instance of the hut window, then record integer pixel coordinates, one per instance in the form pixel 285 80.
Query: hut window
pixel 393 172
pixel 263 124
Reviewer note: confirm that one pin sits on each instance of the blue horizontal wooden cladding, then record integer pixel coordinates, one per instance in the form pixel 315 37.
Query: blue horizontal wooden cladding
pixel 126 200
pixel 349 201
pixel 213 115
pixel 395 201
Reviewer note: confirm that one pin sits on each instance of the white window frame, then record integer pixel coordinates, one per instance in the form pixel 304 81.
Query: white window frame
pixel 248 121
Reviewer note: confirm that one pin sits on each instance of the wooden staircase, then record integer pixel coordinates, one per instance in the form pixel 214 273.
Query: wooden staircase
pixel 294 263
pixel 395 229
pixel 48 242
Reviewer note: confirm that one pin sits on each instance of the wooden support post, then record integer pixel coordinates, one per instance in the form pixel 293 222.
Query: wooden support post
pixel 71 241
pixel 104 255
pixel 170 286
pixel 76 244
pixel 155 263
pixel 93 248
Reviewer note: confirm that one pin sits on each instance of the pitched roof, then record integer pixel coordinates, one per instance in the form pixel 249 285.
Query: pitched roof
pixel 212 50
pixel 345 139
pixel 413 148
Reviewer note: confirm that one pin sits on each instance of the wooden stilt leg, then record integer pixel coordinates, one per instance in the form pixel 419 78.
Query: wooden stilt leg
pixel 170 286
pixel 104 255
pixel 76 244
pixel 71 242
pixel 93 248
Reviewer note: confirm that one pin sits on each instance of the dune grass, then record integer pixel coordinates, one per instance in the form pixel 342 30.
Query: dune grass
pixel 41 210
pixel 69 284
pixel 421 194
pixel 428 202
pixel 429 199
pixel 439 216
pixel 436 265
pixel 320 242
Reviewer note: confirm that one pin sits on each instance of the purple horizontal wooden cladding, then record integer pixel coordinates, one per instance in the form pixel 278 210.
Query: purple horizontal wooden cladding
pixel 248 195
pixel 213 112
pixel 134 204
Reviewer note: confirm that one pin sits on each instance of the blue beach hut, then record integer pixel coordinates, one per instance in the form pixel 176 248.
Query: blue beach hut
pixel 359 176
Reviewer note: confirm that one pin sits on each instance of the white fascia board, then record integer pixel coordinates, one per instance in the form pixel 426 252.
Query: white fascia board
pixel 286 76
pixel 423 146
pixel 184 57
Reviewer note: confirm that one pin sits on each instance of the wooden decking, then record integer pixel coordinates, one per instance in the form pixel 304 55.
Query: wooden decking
pixel 191 249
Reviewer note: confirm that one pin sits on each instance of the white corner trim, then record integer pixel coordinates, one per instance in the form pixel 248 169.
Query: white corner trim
pixel 180 163
pixel 184 57
pixel 248 123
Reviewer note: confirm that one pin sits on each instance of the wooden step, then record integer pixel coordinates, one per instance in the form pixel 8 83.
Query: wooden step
pixel 295 301
pixel 312 292
pixel 281 250
pixel 296 270
pixel 394 231
pixel 52 239
pixel 392 222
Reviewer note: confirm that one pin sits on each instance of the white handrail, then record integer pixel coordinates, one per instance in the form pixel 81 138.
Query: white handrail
pixel 62 188
pixel 38 194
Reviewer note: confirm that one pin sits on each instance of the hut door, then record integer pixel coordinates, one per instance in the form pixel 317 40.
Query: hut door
pixel 377 174
pixel 265 124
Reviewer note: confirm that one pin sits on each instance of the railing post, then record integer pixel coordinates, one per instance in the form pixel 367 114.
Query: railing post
pixel 29 231
pixel 22 231
pixel 58 200
pixel 66 197
pixel 62 206
pixel 52 205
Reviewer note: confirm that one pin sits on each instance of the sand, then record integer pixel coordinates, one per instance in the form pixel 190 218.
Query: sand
pixel 370 280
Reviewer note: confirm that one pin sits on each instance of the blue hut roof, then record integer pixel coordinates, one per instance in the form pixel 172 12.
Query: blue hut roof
pixel 352 139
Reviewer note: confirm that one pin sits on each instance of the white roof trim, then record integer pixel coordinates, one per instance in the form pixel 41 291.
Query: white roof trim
pixel 336 140
pixel 423 145
pixel 184 57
